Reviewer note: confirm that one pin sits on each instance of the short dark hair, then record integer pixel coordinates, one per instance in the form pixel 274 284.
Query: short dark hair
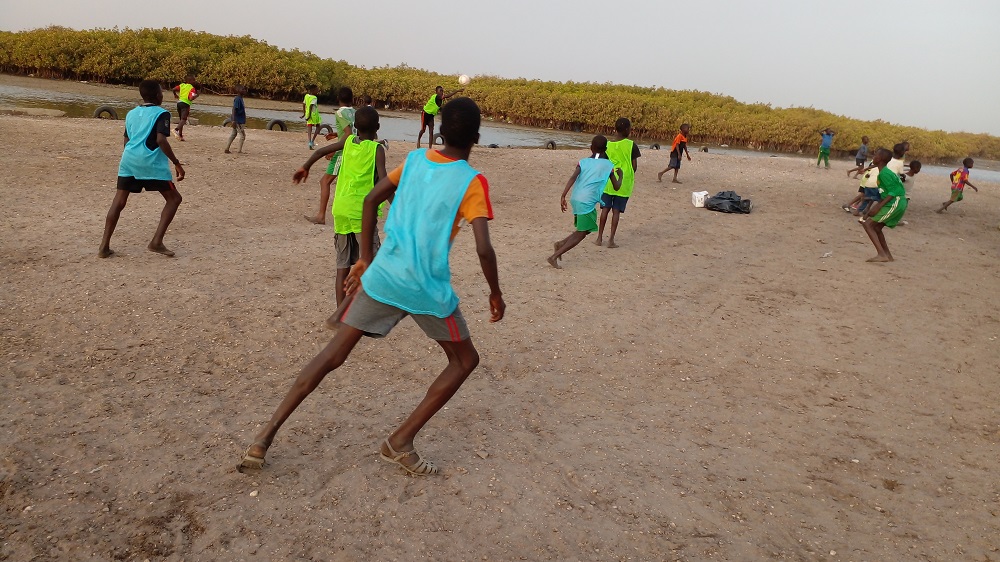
pixel 899 150
pixel 915 166
pixel 883 153
pixel 460 120
pixel 310 87
pixel 683 125
pixel 599 143
pixel 148 90
pixel 968 162
pixel 366 99
pixel 345 95
pixel 623 125
pixel 366 120
pixel 436 88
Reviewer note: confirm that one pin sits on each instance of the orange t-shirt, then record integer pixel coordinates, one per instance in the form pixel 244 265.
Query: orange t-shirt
pixel 679 139
pixel 476 202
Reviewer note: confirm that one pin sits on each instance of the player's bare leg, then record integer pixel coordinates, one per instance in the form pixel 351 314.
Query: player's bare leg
pixel 172 200
pixel 614 228
pixel 332 356
pixel 600 225
pixel 324 199
pixel 111 221
pixel 877 241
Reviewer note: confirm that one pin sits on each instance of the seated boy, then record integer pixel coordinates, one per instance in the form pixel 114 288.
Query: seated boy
pixel 433 191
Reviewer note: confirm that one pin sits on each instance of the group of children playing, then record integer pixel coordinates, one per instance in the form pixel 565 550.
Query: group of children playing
pixel 432 192
pixel 883 195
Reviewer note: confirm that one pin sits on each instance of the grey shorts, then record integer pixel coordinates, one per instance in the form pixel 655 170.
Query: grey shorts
pixel 349 249
pixel 377 319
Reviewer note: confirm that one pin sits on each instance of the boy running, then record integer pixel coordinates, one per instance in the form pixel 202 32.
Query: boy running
pixel 625 156
pixel 145 165
pixel 434 190
pixel 310 112
pixel 238 120
pixel 959 179
pixel 887 212
pixel 344 123
pixel 185 93
pixel 587 183
pixel 363 164
pixel 431 109
pixel 679 146
pixel 824 147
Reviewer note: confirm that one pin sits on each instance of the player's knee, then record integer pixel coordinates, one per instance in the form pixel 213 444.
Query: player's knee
pixel 467 359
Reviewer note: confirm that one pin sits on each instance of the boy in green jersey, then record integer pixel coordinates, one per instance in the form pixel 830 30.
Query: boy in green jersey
pixel 625 156
pixel 185 94
pixel 344 122
pixel 431 109
pixel 363 165
pixel 887 212
pixel 310 112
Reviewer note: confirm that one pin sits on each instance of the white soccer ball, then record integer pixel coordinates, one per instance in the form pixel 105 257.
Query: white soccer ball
pixel 464 80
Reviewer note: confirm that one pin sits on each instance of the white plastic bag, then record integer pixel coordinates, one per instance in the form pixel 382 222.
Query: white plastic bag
pixel 698 198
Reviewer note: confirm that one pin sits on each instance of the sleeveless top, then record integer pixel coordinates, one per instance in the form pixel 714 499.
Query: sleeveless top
pixel 356 180
pixel 432 107
pixel 411 270
pixel 138 160
pixel 620 153
pixel 589 184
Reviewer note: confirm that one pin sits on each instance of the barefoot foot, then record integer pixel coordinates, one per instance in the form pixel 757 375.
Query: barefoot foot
pixel 659 176
pixel 226 151
pixel 556 246
pixel 105 253
pixel 599 241
pixel 675 181
pixel 611 244
pixel 553 262
pixel 160 249
pixel 879 259
pixel 253 458
pixel 315 220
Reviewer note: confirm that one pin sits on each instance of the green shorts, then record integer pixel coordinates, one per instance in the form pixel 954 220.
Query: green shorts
pixel 333 168
pixel 957 195
pixel 586 222
pixel 891 213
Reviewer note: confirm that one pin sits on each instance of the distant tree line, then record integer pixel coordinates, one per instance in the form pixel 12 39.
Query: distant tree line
pixel 127 56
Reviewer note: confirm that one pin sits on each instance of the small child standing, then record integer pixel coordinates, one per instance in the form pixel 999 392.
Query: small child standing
pixel 887 212
pixel 145 165
pixel 824 147
pixel 625 156
pixel 860 158
pixel 238 120
pixel 434 190
pixel 363 164
pixel 344 123
pixel 679 146
pixel 587 183
pixel 310 112
pixel 185 93
pixel 959 179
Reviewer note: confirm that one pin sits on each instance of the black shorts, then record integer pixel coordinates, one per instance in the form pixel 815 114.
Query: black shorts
pixel 183 109
pixel 133 185
pixel 859 161
pixel 428 120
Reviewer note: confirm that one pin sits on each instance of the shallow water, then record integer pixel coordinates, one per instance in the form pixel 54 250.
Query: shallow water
pixel 393 126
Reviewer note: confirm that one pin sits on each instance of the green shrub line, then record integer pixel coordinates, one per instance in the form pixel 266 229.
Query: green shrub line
pixel 127 56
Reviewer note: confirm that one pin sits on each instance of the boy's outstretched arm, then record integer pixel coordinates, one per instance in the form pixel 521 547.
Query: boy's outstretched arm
pixel 382 191
pixel 452 93
pixel 488 261
pixel 161 141
pixel 968 183
pixel 569 186
pixel 302 174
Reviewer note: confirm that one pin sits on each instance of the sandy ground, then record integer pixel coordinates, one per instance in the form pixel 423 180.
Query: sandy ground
pixel 712 389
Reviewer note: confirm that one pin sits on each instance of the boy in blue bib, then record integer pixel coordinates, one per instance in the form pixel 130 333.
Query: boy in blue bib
pixel 410 276
pixel 587 183
pixel 145 165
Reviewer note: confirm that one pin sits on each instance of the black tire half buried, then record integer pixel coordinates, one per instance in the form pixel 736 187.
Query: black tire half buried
pixel 276 124
pixel 655 146
pixel 100 111
pixel 437 139
pixel 327 128
pixel 551 145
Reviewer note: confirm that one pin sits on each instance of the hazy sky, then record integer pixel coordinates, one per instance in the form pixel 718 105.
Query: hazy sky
pixel 928 63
